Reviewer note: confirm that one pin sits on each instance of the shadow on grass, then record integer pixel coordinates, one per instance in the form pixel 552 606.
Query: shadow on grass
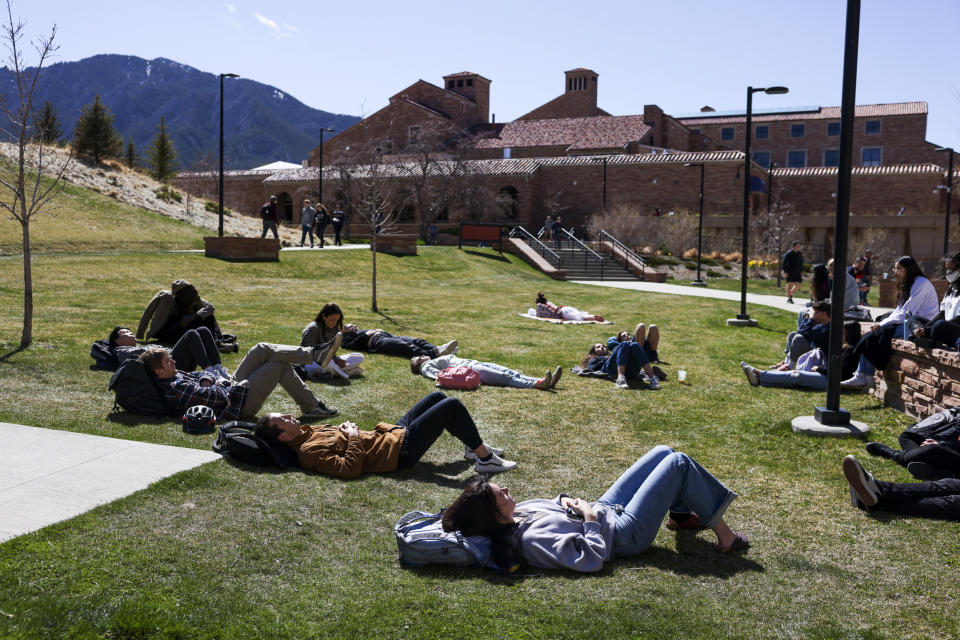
pixel 134 419
pixel 442 475
pixel 10 354
pixel 498 257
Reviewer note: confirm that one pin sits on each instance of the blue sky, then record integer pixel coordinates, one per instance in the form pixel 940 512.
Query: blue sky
pixel 681 55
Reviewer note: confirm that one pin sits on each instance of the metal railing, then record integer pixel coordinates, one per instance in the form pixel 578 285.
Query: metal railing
pixel 588 253
pixel 548 254
pixel 627 251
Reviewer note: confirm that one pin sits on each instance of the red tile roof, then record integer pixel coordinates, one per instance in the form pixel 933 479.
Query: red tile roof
pixel 825 113
pixel 602 132
pixel 462 74
pixel 889 170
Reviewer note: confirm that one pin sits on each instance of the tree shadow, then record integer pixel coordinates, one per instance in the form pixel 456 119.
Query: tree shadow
pixel 10 354
pixel 499 257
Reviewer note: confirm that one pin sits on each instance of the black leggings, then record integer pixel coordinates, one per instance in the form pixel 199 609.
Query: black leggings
pixel 944 457
pixel 945 331
pixel 196 348
pixel 391 345
pixel 427 420
pixel 938 499
pixel 876 345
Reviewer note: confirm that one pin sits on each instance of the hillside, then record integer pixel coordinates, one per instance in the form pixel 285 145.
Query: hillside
pixel 112 208
pixel 262 123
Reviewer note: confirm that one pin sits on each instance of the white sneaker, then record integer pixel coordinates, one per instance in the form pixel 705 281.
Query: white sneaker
pixel 654 384
pixel 859 380
pixel 446 349
pixel 861 482
pixel 468 453
pixel 555 376
pixel 622 383
pixel 751 374
pixel 495 464
pixel 323 357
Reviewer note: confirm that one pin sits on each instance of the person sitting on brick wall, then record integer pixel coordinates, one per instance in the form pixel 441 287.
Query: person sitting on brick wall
pixel 945 326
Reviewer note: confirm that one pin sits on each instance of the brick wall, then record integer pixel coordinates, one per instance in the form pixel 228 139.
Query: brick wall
pixel 919 381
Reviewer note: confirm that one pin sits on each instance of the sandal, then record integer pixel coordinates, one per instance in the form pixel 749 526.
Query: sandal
pixel 692 521
pixel 740 543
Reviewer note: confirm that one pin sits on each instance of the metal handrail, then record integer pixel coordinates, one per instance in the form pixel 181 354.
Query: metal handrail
pixel 588 253
pixel 536 244
pixel 630 253
pixel 583 246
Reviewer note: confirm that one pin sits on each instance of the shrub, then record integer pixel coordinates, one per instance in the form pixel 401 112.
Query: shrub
pixel 167 194
pixel 212 207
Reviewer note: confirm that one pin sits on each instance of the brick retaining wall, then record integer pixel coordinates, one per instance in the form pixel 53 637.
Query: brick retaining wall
pixel 919 381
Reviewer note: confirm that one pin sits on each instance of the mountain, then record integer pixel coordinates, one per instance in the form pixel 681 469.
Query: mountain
pixel 262 124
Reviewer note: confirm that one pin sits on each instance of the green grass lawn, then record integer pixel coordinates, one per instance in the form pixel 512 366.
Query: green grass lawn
pixel 227 551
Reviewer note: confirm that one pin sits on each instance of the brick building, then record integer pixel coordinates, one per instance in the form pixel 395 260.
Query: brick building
pixel 553 159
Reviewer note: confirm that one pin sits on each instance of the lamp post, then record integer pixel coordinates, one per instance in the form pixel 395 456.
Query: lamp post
pixel 743 319
pixel 946 219
pixel 604 160
pixel 220 207
pixel 320 174
pixel 698 282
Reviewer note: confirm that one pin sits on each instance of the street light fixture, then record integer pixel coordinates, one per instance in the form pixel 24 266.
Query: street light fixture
pixel 946 219
pixel 698 282
pixel 743 319
pixel 320 174
pixel 220 190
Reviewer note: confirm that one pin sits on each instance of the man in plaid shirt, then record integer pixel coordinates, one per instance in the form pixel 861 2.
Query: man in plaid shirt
pixel 261 370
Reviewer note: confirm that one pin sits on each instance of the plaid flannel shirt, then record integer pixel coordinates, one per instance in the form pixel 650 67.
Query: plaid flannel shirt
pixel 184 391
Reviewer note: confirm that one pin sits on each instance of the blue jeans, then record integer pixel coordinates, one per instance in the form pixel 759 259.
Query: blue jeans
pixel 496 374
pixel 795 378
pixel 661 480
pixel 304 232
pixel 630 355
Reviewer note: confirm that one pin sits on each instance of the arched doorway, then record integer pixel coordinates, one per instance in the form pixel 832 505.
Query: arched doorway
pixel 508 199
pixel 285 203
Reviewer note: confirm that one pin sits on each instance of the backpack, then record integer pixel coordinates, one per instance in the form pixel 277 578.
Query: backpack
pixel 104 356
pixel 421 540
pixel 136 389
pixel 237 440
pixel 943 425
pixel 459 377
pixel 812 360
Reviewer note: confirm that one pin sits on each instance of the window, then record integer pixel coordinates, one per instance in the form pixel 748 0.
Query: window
pixel 872 128
pixel 798 130
pixel 763 132
pixel 726 133
pixel 459 83
pixel 385 147
pixel 833 128
pixel 413 135
pixel 469 82
pixel 871 157
pixel 451 84
pixel 831 157
pixel 797 158
pixel 762 158
pixel 696 131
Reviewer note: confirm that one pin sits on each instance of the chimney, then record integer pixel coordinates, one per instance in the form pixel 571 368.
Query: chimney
pixel 706 109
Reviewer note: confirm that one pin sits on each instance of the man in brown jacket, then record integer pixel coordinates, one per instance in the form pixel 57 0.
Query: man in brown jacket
pixel 345 451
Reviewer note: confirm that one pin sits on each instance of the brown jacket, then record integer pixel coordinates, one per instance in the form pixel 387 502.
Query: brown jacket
pixel 326 449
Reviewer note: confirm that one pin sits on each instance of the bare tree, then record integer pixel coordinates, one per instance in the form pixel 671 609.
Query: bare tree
pixel 772 227
pixel 29 196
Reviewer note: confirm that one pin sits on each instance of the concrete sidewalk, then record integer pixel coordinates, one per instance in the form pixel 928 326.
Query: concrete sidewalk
pixel 777 302
pixel 47 475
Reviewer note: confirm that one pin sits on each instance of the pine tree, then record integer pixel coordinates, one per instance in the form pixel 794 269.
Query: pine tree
pixel 47 127
pixel 94 135
pixel 163 157
pixel 132 158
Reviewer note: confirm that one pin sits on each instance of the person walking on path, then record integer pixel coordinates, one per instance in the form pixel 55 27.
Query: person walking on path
pixel 337 220
pixel 270 215
pixel 792 267
pixel 308 217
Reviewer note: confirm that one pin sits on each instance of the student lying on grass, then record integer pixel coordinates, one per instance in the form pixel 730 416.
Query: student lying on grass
pixel 241 396
pixel 570 533
pixel 546 309
pixel 647 337
pixel 625 363
pixel 195 348
pixel 490 372
pixel 939 499
pixel 345 451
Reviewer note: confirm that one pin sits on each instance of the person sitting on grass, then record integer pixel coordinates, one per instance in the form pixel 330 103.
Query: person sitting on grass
pixel 647 337
pixel 261 370
pixel 813 332
pixel 571 533
pixel 490 373
pixel 814 377
pixel 547 309
pixel 939 499
pixel 345 451
pixel 195 348
pixel 925 456
pixel 330 321
pixel 625 363
pixel 917 298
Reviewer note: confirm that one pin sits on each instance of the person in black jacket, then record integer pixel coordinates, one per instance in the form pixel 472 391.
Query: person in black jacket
pixel 939 499
pixel 792 267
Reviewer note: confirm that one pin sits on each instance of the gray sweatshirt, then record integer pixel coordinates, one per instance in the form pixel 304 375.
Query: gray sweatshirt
pixel 557 541
pixel 432 368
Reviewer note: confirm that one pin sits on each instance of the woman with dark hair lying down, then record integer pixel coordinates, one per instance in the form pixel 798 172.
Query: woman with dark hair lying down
pixel 570 533
pixel 546 309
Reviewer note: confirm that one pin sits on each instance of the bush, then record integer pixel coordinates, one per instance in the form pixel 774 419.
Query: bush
pixel 212 207
pixel 167 194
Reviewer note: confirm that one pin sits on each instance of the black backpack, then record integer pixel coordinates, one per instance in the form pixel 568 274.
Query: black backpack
pixel 237 440
pixel 137 390
pixel 943 425
pixel 104 356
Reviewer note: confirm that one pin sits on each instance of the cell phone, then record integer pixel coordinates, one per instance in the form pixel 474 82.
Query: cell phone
pixel 572 513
